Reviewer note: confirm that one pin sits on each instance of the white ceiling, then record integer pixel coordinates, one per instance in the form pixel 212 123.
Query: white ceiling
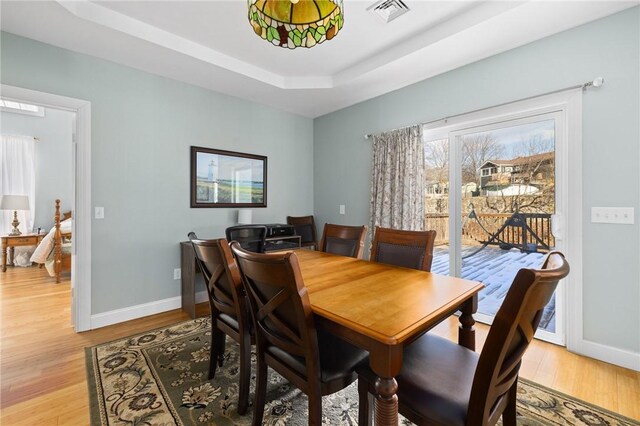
pixel 211 44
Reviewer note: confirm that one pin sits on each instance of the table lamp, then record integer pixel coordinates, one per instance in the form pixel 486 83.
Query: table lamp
pixel 15 203
pixel 244 217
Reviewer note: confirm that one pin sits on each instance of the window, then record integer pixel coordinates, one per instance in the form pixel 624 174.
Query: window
pixel 21 108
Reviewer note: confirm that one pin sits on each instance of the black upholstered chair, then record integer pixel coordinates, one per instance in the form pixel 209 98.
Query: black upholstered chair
pixel 229 308
pixel 316 362
pixel 306 228
pixel 442 383
pixel 410 249
pixel 343 240
pixel 250 237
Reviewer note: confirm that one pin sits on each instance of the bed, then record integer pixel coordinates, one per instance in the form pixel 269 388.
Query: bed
pixel 54 252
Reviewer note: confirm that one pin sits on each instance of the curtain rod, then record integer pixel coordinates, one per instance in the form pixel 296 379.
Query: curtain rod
pixel 597 82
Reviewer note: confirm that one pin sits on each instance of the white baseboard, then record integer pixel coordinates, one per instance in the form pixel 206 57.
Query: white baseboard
pixel 138 311
pixel 616 356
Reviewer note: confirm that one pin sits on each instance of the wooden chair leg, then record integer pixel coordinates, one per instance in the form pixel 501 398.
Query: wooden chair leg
pixel 509 413
pixel 315 405
pixel 223 345
pixel 261 391
pixel 245 373
pixel 364 403
pixel 217 337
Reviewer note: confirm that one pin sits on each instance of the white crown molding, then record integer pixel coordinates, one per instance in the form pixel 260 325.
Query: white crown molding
pixel 106 17
pixel 466 36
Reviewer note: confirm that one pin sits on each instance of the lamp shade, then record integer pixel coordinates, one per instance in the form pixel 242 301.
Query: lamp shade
pixel 244 217
pixel 14 202
pixel 296 23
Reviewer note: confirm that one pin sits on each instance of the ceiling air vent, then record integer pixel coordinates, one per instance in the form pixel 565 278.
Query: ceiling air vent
pixel 388 10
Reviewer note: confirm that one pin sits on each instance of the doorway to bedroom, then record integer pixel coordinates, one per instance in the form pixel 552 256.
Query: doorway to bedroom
pixel 37 163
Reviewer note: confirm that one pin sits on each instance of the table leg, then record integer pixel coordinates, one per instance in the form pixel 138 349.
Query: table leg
pixel 466 332
pixel 4 255
pixel 386 362
pixel 386 401
pixel 11 253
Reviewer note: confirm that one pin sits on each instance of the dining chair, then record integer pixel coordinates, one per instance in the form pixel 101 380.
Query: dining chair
pixel 305 227
pixel 316 362
pixel 447 384
pixel 250 237
pixel 229 308
pixel 343 240
pixel 410 249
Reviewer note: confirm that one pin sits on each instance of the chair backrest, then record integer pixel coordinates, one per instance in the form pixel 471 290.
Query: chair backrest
pixel 306 228
pixel 411 249
pixel 511 332
pixel 343 240
pixel 222 277
pixel 280 305
pixel 250 237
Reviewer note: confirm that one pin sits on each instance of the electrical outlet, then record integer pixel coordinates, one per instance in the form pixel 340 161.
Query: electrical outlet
pixel 342 209
pixel 99 212
pixel 177 274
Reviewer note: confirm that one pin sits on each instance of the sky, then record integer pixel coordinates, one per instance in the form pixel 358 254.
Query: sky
pixel 511 137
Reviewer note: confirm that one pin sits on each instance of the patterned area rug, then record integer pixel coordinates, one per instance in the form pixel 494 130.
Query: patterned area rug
pixel 160 378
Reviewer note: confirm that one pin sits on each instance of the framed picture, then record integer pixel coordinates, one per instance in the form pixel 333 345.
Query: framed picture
pixel 227 179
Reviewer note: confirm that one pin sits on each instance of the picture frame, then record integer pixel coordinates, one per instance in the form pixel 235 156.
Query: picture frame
pixel 227 179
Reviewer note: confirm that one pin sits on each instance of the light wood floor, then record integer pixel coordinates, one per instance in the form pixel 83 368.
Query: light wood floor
pixel 42 369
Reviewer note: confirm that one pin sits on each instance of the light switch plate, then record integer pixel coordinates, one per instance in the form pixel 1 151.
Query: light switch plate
pixel 99 212
pixel 617 215
pixel 342 209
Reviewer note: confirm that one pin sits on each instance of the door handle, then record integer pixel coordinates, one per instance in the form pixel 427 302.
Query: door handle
pixel 556 226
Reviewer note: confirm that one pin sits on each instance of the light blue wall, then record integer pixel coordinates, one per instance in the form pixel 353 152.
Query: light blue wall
pixel 610 48
pixel 142 127
pixel 53 158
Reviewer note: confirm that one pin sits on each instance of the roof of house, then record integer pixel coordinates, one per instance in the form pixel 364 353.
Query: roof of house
pixel 521 160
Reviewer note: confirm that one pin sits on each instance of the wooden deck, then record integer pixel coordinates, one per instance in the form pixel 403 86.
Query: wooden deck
pixel 495 268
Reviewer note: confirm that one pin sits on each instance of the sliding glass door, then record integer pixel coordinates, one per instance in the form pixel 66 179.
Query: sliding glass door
pixel 493 192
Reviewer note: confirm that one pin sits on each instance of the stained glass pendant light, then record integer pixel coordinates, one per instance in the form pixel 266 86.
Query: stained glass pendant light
pixel 296 23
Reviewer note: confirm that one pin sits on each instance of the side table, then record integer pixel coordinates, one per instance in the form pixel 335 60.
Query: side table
pixel 11 241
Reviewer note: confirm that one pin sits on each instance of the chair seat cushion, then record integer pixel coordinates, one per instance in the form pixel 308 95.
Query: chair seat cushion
pixel 435 381
pixel 338 360
pixel 229 321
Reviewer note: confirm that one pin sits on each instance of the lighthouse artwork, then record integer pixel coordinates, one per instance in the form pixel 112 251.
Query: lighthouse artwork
pixel 227 179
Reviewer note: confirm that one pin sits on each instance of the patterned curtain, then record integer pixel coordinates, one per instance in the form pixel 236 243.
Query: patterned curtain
pixel 397 180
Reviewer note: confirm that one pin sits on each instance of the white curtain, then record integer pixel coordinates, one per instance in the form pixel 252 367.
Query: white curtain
pixel 397 180
pixel 18 177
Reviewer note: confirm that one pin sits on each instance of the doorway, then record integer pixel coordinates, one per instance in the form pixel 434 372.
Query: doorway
pixel 81 172
pixel 498 198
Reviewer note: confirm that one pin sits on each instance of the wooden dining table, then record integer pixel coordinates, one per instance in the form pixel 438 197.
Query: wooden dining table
pixel 381 308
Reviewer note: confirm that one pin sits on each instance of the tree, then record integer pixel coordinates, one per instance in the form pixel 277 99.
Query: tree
pixel 534 166
pixel 436 157
pixel 477 149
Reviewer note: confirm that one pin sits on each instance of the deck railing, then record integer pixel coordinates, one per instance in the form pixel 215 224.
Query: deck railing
pixel 517 236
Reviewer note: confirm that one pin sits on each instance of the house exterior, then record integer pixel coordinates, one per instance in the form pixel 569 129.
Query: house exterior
pixel 534 170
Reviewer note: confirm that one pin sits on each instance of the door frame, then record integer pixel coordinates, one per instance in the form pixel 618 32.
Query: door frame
pixel 560 204
pixel 569 104
pixel 81 250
